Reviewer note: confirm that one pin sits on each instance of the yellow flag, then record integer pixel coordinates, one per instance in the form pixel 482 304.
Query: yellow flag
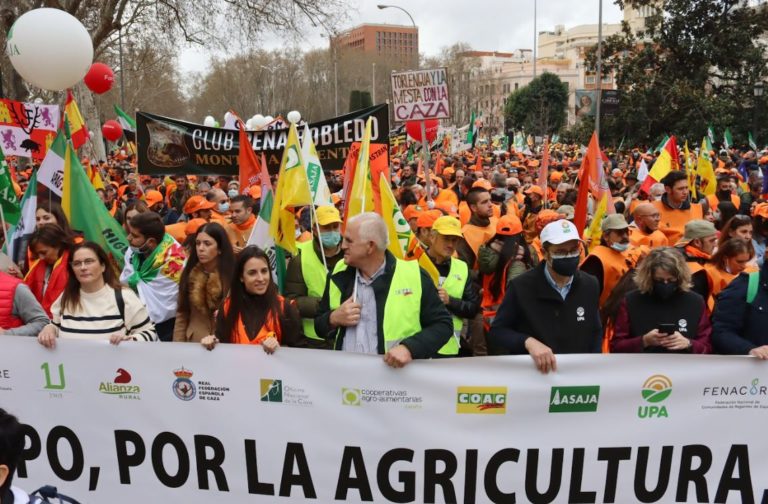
pixel 593 234
pixel 690 172
pixel 398 228
pixel 706 171
pixel 360 197
pixel 292 191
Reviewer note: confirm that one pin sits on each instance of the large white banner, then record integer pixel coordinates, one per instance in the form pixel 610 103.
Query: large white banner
pixel 163 422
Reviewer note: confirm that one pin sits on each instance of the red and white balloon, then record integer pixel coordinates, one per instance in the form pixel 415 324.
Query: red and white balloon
pixel 413 128
pixel 99 78
pixel 112 130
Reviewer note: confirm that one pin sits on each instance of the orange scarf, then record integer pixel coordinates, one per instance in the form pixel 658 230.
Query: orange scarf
pixel 694 252
pixel 245 226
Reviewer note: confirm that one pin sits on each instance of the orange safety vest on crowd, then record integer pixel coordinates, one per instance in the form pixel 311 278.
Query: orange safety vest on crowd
pixel 490 304
pixel 638 238
pixel 673 221
pixel 270 328
pixel 695 266
pixel 476 236
pixel 718 280
pixel 177 231
pixel 615 265
pixel 443 196
pixel 713 201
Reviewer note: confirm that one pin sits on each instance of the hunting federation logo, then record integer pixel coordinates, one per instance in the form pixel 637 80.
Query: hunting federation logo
pixel 183 387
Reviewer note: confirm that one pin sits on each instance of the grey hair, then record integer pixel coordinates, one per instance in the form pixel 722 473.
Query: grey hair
pixel 372 228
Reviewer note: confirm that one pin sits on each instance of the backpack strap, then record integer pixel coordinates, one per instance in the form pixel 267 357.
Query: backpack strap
pixel 752 286
pixel 120 304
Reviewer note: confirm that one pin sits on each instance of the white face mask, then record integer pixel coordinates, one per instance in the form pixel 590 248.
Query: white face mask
pixel 297 232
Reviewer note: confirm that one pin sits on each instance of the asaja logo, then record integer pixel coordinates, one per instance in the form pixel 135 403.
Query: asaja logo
pixel 183 387
pixel 481 400
pixel 582 399
pixel 655 390
pixel 120 386
pixel 271 390
pixel 350 396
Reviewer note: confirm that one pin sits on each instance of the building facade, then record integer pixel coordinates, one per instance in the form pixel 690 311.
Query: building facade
pixel 397 42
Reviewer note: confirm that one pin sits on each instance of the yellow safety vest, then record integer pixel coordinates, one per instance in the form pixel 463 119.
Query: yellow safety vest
pixel 454 285
pixel 314 273
pixel 402 306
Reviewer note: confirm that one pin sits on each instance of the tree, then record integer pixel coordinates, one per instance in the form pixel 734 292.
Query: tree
pixel 539 107
pixel 696 64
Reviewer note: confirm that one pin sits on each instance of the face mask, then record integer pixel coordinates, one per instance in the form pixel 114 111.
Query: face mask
pixel 723 195
pixel 330 238
pixel 232 193
pixel 565 266
pixel 139 250
pixel 664 290
pixel 620 247
pixel 297 233
pixel 223 207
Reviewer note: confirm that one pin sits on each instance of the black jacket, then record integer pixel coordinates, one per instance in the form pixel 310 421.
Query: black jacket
pixel 469 304
pixel 532 308
pixel 436 323
pixel 738 327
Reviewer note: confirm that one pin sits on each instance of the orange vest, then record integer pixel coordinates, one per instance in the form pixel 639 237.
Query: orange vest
pixel 443 196
pixel 476 236
pixel 490 304
pixel 177 231
pixel 270 328
pixel 536 245
pixel 615 264
pixel 673 221
pixel 718 280
pixel 655 239
pixel 714 201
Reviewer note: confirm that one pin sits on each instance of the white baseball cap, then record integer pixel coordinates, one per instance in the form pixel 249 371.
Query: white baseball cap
pixel 559 232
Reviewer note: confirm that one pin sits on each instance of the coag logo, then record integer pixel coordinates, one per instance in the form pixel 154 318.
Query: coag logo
pixel 481 400
pixel 52 382
pixel 574 399
pixel 656 389
pixel 271 390
pixel 183 387
pixel 350 396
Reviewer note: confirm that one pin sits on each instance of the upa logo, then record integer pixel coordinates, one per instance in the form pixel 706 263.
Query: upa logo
pixel 481 400
pixel 655 390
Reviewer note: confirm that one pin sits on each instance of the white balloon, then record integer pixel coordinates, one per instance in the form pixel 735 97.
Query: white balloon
pixel 90 134
pixel 50 48
pixel 38 101
pixel 249 124
pixel 268 119
pixel 227 116
pixel 258 120
pixel 294 116
pixel 209 121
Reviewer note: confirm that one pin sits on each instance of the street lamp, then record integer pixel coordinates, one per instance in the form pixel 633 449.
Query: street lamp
pixel 382 6
pixel 272 70
pixel 758 90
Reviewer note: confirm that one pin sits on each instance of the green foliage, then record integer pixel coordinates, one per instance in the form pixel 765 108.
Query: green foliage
pixel 365 99
pixel 355 100
pixel 539 107
pixel 696 64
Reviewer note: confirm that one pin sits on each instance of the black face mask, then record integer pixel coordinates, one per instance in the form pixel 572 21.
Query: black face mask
pixel 724 195
pixel 663 290
pixel 565 266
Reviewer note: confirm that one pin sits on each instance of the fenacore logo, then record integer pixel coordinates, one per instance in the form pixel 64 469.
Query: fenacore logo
pixel 481 400
pixel 753 389
pixel 737 397
pixel 183 387
pixel 656 389
pixel 581 399
pixel 120 386
pixel 271 390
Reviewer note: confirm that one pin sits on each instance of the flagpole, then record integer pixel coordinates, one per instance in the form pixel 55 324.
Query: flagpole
pixel 425 157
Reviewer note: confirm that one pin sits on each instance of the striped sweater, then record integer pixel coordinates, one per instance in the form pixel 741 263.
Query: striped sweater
pixel 98 317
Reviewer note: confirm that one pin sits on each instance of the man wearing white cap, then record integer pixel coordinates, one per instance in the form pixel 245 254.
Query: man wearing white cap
pixel 552 308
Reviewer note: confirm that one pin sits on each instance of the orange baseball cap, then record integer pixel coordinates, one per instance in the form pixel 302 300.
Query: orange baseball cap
pixel 448 207
pixel 534 189
pixel 193 225
pixel 449 171
pixel 556 176
pixel 412 212
pixel 153 197
pixel 482 183
pixel 761 210
pixel 509 225
pixel 197 203
pixel 426 219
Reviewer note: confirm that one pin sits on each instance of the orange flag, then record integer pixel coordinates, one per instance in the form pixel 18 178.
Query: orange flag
pixel 246 158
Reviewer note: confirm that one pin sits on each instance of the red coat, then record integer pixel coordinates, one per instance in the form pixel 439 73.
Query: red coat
pixel 56 283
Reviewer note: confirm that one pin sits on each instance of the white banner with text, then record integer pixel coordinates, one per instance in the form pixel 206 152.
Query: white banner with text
pixel 162 422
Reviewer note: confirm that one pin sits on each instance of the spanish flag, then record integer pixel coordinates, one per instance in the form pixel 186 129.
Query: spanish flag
pixel 77 128
pixel 668 160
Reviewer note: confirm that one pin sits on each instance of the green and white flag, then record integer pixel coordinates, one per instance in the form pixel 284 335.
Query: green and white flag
pixel 318 185
pixel 752 143
pixel 519 141
pixel 127 122
pixel 710 137
pixel 727 139
pixel 18 236
pixel 51 173
pixel 9 203
pixel 472 130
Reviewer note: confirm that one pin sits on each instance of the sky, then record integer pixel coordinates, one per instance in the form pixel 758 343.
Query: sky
pixel 487 25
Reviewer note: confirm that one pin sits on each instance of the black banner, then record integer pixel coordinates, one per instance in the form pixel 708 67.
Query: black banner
pixel 609 102
pixel 171 146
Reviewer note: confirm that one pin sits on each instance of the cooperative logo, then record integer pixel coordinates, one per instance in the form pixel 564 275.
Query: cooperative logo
pixel 350 396
pixel 53 382
pixel 655 390
pixel 183 387
pixel 271 390
pixel 481 400
pixel 581 399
